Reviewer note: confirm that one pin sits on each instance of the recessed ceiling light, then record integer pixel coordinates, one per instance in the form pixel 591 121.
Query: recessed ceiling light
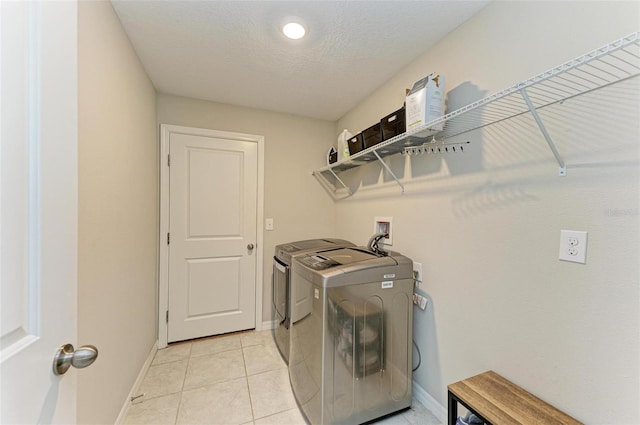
pixel 294 30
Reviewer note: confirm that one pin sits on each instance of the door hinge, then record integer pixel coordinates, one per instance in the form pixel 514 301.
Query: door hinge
pixel 167 316
pixel 168 160
pixel 168 238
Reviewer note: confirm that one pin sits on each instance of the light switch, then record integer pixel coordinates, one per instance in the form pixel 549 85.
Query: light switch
pixel 268 224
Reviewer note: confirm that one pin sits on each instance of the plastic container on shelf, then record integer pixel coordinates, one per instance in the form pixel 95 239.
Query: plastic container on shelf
pixel 343 144
pixel 371 136
pixel 355 144
pixel 393 124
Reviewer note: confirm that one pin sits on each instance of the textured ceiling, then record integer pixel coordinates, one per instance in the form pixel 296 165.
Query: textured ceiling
pixel 233 52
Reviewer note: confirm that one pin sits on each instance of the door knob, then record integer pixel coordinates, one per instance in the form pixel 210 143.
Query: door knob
pixel 66 357
pixel 250 247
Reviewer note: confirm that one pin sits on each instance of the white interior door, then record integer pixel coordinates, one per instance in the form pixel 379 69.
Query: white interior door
pixel 38 208
pixel 212 224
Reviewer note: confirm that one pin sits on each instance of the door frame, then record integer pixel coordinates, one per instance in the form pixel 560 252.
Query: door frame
pixel 163 252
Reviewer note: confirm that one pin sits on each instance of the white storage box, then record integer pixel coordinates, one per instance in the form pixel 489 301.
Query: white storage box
pixel 425 101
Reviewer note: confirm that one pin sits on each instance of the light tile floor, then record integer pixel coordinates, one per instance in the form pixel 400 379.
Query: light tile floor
pixel 231 379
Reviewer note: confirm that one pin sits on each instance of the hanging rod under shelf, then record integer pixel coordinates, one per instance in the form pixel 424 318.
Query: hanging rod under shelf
pixel 435 147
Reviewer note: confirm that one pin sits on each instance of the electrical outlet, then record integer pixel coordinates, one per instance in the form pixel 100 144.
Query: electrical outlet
pixel 423 303
pixel 420 300
pixel 573 246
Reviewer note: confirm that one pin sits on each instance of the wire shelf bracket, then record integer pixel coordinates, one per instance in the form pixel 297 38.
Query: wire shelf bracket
pixel 341 182
pixel 386 167
pixel 320 175
pixel 562 172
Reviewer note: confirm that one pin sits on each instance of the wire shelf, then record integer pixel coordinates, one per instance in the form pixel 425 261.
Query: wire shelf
pixel 610 64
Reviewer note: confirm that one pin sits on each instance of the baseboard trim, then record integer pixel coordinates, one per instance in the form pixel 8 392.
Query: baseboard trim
pixel 136 384
pixel 429 402
pixel 269 324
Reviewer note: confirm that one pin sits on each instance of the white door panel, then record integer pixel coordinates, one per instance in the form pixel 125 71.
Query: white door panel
pixel 227 298
pixel 212 220
pixel 206 218
pixel 38 209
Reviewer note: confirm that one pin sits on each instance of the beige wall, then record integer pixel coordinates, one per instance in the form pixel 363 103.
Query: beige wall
pixel 117 212
pixel 486 224
pixel 294 146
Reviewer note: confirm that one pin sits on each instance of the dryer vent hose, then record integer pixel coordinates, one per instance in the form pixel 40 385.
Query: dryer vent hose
pixel 376 244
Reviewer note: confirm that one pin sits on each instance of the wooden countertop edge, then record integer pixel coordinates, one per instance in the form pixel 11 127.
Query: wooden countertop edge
pixel 500 401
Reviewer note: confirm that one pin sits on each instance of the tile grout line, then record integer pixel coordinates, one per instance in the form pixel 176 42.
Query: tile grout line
pixel 175 421
pixel 246 378
pixel 184 378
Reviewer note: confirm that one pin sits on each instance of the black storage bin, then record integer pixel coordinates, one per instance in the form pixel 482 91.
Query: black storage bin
pixel 333 157
pixel 371 136
pixel 393 124
pixel 355 144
